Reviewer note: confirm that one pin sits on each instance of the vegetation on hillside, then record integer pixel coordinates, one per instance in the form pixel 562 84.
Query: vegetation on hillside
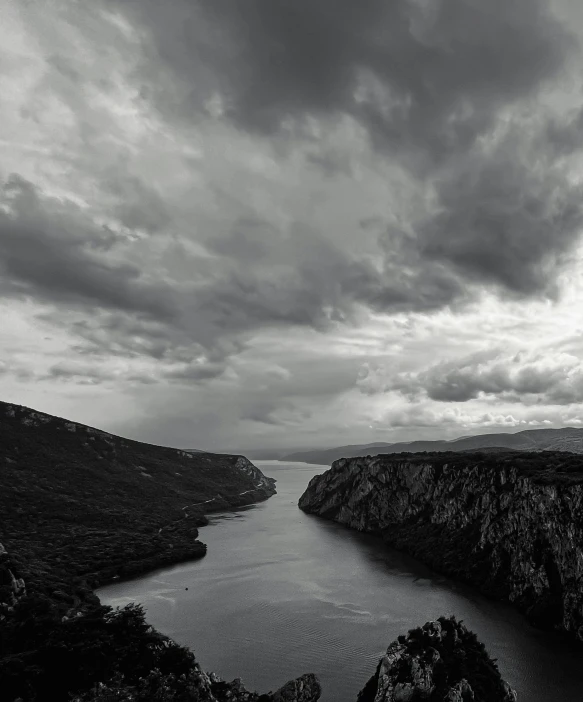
pixel 437 658
pixel 545 467
pixel 78 508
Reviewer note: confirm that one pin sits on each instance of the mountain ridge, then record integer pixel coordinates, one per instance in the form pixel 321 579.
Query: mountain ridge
pixel 546 439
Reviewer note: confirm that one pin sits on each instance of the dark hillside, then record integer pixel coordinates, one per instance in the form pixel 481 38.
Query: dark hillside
pixel 80 507
pixel 76 501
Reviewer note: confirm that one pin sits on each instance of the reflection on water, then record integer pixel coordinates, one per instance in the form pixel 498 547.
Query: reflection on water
pixel 281 593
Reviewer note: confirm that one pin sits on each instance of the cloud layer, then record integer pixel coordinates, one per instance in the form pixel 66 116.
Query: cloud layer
pixel 259 210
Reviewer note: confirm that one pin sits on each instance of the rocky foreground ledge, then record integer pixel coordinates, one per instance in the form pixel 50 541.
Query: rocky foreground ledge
pixel 439 662
pixel 128 661
pixel 512 525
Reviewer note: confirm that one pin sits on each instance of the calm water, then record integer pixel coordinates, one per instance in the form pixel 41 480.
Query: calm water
pixel 281 593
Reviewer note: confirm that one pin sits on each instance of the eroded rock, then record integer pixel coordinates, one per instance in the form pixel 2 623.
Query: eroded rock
pixel 442 662
pixel 510 524
pixel 304 689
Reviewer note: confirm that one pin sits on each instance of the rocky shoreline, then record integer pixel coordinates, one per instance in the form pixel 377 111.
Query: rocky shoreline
pixel 510 525
pixel 80 508
pixel 441 661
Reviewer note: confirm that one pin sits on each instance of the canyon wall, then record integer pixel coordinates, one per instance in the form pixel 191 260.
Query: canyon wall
pixel 512 525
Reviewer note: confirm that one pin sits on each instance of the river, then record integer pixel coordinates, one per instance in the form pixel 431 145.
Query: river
pixel 281 593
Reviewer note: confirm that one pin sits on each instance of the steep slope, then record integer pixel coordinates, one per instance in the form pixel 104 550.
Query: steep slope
pixel 511 524
pixel 565 439
pixel 79 503
pixel 439 662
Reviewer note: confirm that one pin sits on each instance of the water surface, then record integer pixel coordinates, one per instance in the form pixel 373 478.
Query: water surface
pixel 281 593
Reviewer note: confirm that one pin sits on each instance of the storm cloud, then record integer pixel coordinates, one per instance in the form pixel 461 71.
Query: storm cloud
pixel 446 88
pixel 289 214
pixel 426 76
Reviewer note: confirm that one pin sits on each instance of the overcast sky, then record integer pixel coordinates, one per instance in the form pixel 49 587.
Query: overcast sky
pixel 233 224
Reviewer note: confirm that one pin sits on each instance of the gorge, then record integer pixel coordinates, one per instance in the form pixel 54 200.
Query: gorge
pixel 281 593
pixel 509 524
pixel 82 508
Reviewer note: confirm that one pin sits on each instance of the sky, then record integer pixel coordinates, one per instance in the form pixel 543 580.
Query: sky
pixel 292 223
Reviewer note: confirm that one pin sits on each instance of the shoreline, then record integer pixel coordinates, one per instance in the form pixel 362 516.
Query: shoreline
pixel 96 581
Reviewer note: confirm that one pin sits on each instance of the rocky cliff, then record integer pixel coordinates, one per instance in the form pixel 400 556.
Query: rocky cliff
pixel 442 662
pixel 510 524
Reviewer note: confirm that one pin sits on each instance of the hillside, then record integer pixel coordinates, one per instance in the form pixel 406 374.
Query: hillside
pixel 79 502
pixel 80 507
pixel 565 439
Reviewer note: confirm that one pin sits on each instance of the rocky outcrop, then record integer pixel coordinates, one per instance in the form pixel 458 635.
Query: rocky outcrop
pixel 12 588
pixel 260 481
pixel 199 686
pixel 511 524
pixel 442 662
pixel 304 689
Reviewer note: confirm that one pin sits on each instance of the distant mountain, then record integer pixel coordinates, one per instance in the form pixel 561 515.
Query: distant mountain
pixel 267 454
pixel 326 456
pixel 264 454
pixel 566 439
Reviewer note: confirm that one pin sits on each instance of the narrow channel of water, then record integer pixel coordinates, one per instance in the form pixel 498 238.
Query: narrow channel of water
pixel 281 593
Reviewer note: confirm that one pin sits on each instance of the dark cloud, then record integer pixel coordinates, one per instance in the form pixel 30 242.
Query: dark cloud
pixel 46 252
pixel 304 278
pixel 86 374
pixel 79 374
pixel 523 378
pixel 564 135
pixel 196 371
pixel 508 217
pixel 50 251
pixel 419 75
pixel 331 164
pixel 138 205
pixel 433 84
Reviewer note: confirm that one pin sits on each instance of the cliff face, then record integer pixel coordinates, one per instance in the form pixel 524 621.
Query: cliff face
pixel 511 525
